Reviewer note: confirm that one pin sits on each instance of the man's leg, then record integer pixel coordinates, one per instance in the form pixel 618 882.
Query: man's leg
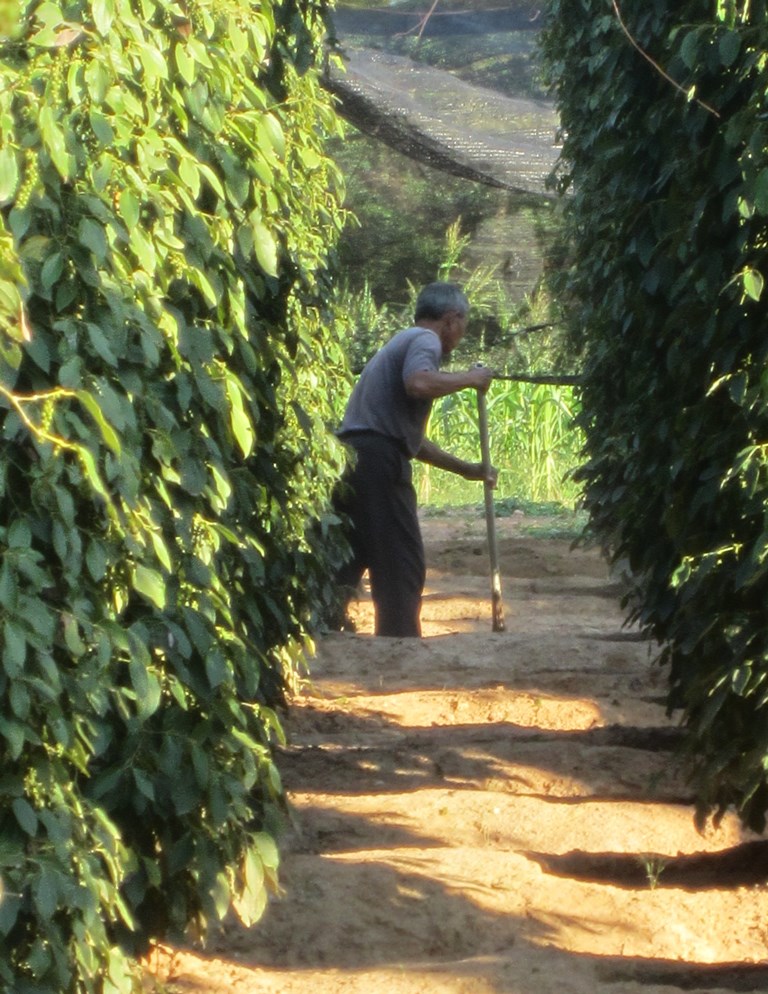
pixel 398 571
pixel 390 538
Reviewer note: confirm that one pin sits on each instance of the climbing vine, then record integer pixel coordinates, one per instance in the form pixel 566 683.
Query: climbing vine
pixel 166 374
pixel 665 180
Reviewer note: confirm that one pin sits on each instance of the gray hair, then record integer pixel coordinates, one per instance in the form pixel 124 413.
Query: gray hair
pixel 437 299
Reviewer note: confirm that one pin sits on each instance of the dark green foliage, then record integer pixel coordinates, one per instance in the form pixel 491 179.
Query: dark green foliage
pixel 165 215
pixel 666 172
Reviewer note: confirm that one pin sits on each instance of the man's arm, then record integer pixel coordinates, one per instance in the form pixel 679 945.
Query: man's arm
pixel 435 456
pixel 431 384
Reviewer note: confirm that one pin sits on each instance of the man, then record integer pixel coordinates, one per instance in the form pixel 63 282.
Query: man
pixel 385 424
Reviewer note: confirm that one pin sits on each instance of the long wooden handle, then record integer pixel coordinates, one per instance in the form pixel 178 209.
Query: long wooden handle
pixel 497 607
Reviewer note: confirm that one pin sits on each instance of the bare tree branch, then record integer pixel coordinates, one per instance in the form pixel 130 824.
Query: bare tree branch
pixel 553 379
pixel 421 25
pixel 656 65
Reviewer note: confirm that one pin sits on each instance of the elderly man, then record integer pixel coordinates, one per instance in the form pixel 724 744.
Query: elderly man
pixel 385 423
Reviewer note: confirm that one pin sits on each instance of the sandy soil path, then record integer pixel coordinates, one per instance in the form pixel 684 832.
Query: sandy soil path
pixel 494 813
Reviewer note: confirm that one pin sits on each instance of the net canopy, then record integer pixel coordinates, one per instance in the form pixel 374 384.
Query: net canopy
pixel 504 139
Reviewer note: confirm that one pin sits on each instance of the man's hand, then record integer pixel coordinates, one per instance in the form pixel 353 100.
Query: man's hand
pixel 475 471
pixel 435 456
pixel 482 376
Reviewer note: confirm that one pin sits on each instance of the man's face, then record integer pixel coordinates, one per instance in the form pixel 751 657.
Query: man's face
pixel 455 328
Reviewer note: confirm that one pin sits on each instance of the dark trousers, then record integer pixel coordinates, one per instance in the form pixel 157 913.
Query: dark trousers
pixel 379 498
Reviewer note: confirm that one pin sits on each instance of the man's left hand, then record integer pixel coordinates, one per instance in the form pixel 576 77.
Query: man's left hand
pixel 476 471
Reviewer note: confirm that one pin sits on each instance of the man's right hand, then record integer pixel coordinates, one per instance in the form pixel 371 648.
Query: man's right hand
pixel 480 377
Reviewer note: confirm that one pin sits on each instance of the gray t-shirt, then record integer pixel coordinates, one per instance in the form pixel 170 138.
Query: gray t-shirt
pixel 379 401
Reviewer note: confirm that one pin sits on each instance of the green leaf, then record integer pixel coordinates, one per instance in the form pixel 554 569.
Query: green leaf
pixel 689 50
pixel 185 794
pixel 14 733
pixel 190 176
pixel 143 248
pixel 184 63
pixel 107 431
pixel 129 208
pixel 217 668
pixel 91 471
pixel 205 285
pixel 237 37
pixel 271 134
pixel 161 550
pixel 9 590
pixel 98 80
pixel 91 234
pixel 144 783
pixel 193 476
pixel 753 283
pixel 254 872
pixel 9 174
pixel 96 560
pixel 729 46
pixel 54 139
pixel 19 535
pixel 70 374
pixel 103 15
pixel 250 903
pixel 211 178
pixel 238 187
pixel 199 51
pixel 153 63
pixel 50 17
pixel 25 815
pixel 51 270
pixel 268 851
pixel 101 128
pixel 101 343
pixel 149 701
pixel 139 678
pixel 265 247
pixel 14 649
pixel 20 700
pixel 761 191
pixel 150 584
pixel 242 427
pixel 72 637
pixel 220 895
pixel 46 893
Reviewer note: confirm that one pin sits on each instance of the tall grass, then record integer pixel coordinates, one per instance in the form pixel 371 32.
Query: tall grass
pixel 533 442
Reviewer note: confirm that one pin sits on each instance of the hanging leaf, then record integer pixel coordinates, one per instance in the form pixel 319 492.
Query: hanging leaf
pixel 9 174
pixel 241 423
pixel 265 248
pixel 753 283
pixel 150 584
pixel 103 15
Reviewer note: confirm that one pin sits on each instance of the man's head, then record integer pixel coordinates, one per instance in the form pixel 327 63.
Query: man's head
pixel 444 308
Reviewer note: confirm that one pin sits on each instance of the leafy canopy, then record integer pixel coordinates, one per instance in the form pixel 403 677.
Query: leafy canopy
pixel 665 168
pixel 166 373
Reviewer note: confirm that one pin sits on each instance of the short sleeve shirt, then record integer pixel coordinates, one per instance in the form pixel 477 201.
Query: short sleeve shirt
pixel 379 401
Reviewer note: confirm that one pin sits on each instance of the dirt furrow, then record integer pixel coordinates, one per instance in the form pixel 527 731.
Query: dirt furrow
pixel 495 813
